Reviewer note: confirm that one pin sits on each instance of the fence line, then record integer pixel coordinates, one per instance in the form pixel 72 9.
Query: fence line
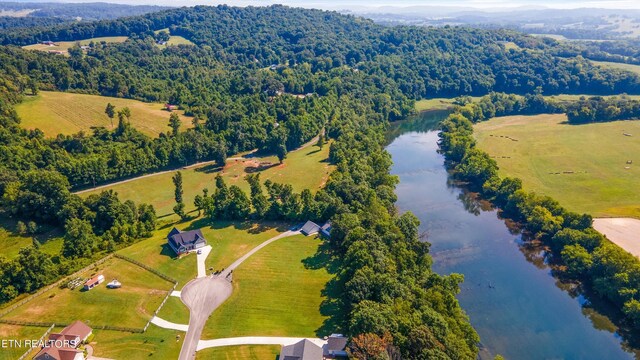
pixel 99 327
pixel 9 309
pixel 135 262
pixel 39 342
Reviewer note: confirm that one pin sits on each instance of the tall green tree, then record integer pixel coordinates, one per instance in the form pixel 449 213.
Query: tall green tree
pixel 79 239
pixel 174 123
pixel 110 110
pixel 178 193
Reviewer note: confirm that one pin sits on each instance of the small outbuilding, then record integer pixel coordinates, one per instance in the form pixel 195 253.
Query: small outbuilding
pixel 114 284
pixel 336 347
pixel 93 282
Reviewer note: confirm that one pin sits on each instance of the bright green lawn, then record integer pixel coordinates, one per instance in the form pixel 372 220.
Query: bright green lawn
pixel 304 169
pixel 174 310
pixel 13 332
pixel 130 306
pixel 274 294
pixel 155 252
pixel 155 343
pixel 596 154
pixel 252 352
pixel 230 241
pixel 67 113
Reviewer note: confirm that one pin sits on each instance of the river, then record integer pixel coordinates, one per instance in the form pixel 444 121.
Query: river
pixel 518 308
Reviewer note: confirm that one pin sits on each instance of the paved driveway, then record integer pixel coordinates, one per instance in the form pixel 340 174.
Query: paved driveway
pixel 204 294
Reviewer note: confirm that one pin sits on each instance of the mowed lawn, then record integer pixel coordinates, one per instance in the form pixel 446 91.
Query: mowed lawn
pixel 22 333
pixel 68 113
pixel 65 45
pixel 305 168
pixel 248 352
pixel 174 310
pixel 584 167
pixel 274 294
pixel 130 306
pixel 155 343
pixel 229 241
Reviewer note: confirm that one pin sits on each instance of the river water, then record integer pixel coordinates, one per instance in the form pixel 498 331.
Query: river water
pixel 518 308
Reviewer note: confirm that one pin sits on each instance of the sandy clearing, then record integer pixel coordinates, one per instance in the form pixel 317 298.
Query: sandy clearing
pixel 624 232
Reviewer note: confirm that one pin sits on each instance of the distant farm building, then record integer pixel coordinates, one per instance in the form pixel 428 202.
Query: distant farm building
pixel 184 241
pixel 170 107
pixel 64 345
pixel 93 282
pixel 49 43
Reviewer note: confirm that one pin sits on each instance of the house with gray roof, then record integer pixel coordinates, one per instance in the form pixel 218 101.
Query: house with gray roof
pixel 310 228
pixel 184 241
pixel 336 347
pixel 302 350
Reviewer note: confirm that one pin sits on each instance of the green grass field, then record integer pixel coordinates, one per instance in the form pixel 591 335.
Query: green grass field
pixel 65 45
pixel 274 293
pixel 240 353
pixel 620 66
pixel 130 306
pixel 11 242
pixel 155 252
pixel 229 241
pixel 174 310
pixel 584 167
pixel 155 343
pixel 67 113
pixel 13 332
pixel 306 168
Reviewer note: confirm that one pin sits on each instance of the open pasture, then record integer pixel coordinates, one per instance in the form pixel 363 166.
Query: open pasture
pixel 584 167
pixel 68 113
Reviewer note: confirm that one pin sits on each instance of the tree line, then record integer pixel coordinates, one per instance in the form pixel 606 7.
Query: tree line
pixel 584 253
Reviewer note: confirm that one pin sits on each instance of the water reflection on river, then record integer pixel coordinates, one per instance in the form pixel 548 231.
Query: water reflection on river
pixel 519 309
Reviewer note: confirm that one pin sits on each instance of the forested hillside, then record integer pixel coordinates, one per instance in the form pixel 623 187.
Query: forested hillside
pixel 267 78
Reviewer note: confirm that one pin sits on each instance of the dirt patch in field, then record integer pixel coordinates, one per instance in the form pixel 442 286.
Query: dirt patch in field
pixel 624 232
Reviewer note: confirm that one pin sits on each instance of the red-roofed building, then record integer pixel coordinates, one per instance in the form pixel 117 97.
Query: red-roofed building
pixel 93 282
pixel 64 345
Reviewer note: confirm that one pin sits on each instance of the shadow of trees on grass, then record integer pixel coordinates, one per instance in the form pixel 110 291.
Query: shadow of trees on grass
pixel 332 306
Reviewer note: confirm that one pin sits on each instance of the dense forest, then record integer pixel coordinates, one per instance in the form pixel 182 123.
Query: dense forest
pixel 76 11
pixel 239 83
pixel 583 252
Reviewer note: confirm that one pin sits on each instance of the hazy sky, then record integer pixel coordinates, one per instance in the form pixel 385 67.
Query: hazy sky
pixel 345 4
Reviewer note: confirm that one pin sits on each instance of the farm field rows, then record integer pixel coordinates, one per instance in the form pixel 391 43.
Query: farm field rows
pixel 305 168
pixel 584 167
pixel 68 113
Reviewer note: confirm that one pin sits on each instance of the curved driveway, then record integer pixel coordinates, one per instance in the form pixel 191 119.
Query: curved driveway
pixel 203 295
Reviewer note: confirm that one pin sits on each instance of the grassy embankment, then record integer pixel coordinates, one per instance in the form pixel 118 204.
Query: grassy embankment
pixel 67 113
pixel 620 66
pixel 240 353
pixel 584 167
